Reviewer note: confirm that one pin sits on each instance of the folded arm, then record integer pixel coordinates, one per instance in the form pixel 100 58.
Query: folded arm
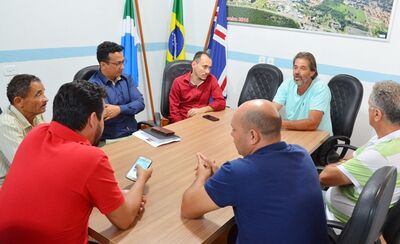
pixel 218 101
pixel 136 103
pixel 196 201
pixel 311 123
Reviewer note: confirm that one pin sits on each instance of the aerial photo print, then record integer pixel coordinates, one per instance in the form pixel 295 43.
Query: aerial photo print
pixel 362 18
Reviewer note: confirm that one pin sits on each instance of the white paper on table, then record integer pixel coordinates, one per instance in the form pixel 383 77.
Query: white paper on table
pixel 154 141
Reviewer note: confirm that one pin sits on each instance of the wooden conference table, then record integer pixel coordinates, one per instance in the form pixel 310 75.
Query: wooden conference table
pixel 173 172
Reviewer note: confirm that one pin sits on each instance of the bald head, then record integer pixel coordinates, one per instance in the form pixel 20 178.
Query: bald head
pixel 261 115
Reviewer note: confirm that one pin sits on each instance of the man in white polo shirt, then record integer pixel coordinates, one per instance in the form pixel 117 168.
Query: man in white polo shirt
pixel 349 177
pixel 27 104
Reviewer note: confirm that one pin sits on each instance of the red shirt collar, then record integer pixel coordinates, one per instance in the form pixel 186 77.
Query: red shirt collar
pixel 68 134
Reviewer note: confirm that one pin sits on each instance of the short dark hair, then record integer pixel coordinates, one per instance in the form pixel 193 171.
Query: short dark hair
pixel 75 101
pixel 19 86
pixel 386 96
pixel 198 55
pixel 311 60
pixel 105 48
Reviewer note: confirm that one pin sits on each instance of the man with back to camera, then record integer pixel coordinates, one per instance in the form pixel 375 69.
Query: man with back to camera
pixel 348 178
pixel 123 99
pixel 57 176
pixel 273 189
pixel 195 92
pixel 305 97
pixel 27 104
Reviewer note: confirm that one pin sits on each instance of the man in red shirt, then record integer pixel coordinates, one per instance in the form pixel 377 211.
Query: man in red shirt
pixel 57 176
pixel 195 92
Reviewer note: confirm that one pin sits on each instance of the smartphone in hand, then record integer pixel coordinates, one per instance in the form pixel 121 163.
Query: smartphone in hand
pixel 143 162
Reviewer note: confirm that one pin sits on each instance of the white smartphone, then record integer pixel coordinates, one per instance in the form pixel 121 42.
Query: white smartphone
pixel 143 162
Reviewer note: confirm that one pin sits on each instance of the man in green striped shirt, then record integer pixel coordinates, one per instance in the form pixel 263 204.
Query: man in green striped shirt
pixel 348 178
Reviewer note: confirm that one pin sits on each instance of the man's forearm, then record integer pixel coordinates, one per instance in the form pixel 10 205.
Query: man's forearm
pixel 126 214
pixel 189 199
pixel 195 187
pixel 218 104
pixel 133 107
pixel 332 176
pixel 134 196
pixel 207 109
pixel 304 124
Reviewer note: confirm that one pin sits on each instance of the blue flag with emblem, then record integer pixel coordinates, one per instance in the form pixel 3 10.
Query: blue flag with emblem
pixel 130 42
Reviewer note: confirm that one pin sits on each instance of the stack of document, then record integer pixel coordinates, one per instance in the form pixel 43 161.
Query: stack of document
pixel 155 139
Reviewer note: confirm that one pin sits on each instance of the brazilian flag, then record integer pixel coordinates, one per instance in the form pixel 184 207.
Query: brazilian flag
pixel 176 41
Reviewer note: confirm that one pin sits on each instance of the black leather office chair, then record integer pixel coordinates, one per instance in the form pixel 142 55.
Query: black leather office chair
pixel 391 228
pixel 171 71
pixel 86 73
pixel 262 82
pixel 369 213
pixel 347 93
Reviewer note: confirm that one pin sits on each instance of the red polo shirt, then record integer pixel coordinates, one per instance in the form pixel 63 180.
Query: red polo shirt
pixel 54 182
pixel 185 96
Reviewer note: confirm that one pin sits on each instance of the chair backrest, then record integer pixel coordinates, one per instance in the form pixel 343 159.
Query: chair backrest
pixel 347 92
pixel 262 81
pixel 371 209
pixel 86 73
pixel 171 71
pixel 391 228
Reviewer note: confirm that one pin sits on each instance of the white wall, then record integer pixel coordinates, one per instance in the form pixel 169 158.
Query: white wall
pixel 32 31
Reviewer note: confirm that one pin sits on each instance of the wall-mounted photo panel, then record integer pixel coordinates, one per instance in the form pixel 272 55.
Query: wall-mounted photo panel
pixel 355 18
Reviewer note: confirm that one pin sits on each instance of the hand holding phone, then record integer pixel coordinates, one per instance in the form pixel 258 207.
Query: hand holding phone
pixel 140 162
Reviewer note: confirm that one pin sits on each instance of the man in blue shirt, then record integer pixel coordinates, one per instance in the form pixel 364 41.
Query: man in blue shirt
pixel 123 99
pixel 306 98
pixel 274 189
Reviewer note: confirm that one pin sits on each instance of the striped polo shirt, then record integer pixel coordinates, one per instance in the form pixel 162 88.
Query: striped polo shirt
pixel 366 160
pixel 13 129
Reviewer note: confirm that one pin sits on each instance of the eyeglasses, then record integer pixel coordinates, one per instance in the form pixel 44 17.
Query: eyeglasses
pixel 118 64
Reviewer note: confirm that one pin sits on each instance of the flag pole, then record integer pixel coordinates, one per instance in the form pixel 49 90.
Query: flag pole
pixel 145 60
pixel 210 26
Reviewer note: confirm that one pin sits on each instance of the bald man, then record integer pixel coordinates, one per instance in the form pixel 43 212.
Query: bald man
pixel 274 189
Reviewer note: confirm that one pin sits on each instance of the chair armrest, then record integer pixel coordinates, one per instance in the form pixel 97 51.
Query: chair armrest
pixel 328 146
pixel 333 237
pixel 334 139
pixel 146 123
pixel 335 224
pixel 345 149
pixel 150 123
pixel 341 156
